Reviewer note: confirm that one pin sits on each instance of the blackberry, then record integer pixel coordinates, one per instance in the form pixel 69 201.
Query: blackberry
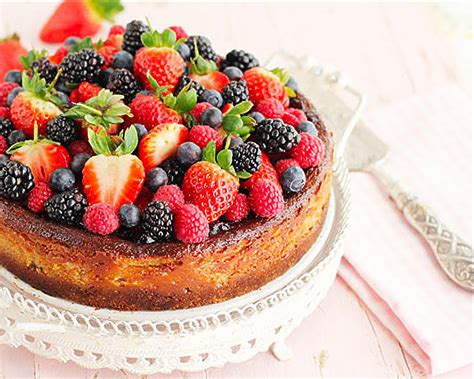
pixel 83 66
pixel 274 136
pixel 247 157
pixel 67 207
pixel 46 69
pixel 16 180
pixel 62 129
pixel 132 38
pixel 184 81
pixel 235 92
pixel 122 82
pixel 240 59
pixel 157 221
pixel 204 47
pixel 174 170
pixel 6 127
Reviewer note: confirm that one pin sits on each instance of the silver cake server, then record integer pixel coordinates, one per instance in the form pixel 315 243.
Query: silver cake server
pixel 364 151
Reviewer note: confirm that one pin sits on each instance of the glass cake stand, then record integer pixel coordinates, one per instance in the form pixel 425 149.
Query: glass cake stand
pixel 198 338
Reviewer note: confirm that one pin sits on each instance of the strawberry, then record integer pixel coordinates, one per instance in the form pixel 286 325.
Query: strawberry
pixel 160 58
pixel 59 55
pixel 80 18
pixel 266 171
pixel 263 84
pixel 41 155
pixel 207 74
pixel 115 41
pixel 107 53
pixel 114 176
pixel 36 105
pixel 161 143
pixel 10 52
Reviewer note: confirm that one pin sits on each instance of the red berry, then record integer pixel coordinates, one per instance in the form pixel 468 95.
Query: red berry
pixel 282 165
pixel 3 145
pixel 5 89
pixel 265 199
pixel 144 198
pixel 107 53
pixel 201 135
pixel 172 194
pixel 38 196
pixel 59 55
pixel 116 29
pixel 190 224
pixel 294 117
pixel 180 32
pixel 87 90
pixel 226 108
pixel 74 97
pixel 270 108
pixel 79 146
pixel 239 209
pixel 198 109
pixel 101 219
pixel 309 152
pixel 5 112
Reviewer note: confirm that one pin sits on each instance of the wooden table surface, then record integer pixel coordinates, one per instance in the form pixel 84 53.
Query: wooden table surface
pixel 391 51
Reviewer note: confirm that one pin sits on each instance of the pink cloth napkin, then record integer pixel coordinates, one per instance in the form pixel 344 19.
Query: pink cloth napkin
pixel 386 263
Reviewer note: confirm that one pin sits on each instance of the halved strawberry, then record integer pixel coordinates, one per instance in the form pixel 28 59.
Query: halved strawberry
pixel 161 143
pixel 214 80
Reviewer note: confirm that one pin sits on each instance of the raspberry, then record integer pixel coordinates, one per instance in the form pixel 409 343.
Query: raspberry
pixel 5 112
pixel 180 32
pixel 265 172
pixel 116 29
pixel 201 135
pixel 239 209
pixel 309 152
pixel 38 197
pixel 5 89
pixel 107 53
pixel 282 165
pixel 172 194
pixel 3 145
pixel 79 146
pixel 199 109
pixel 59 55
pixel 190 224
pixel 270 108
pixel 87 90
pixel 265 199
pixel 74 97
pixel 293 117
pixel 101 219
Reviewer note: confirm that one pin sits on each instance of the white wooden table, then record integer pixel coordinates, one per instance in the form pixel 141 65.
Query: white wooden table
pixel 392 51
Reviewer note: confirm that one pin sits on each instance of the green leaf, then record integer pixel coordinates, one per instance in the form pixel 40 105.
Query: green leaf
pixel 85 43
pixel 241 108
pixel 231 123
pixel 130 142
pixel 32 56
pixel 169 101
pixel 185 101
pixel 290 92
pixel 153 38
pixel 209 152
pixel 224 159
pixel 243 175
pixel 106 9
pixel 100 141
pixel 282 74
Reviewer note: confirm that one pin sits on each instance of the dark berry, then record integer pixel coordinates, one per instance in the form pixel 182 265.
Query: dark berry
pixel 235 141
pixel 104 76
pixel 123 59
pixel 292 84
pixel 308 127
pixel 158 221
pixel 155 178
pixel 62 86
pixel 274 136
pixel 16 180
pixel 129 215
pixel 188 153
pixel 62 129
pixel 78 162
pixel 3 159
pixel 141 130
pixel 13 76
pixel 233 73
pixel 211 117
pixel 62 179
pixel 212 97
pixel 70 41
pixel 247 157
pixel 67 207
pixel 174 171
pixel 204 47
pixel 184 51
pixel 292 180
pixel 83 66
pixel 122 82
pixel 240 59
pixel 45 68
pixel 257 116
pixel 11 96
pixel 296 103
pixel 16 136
pixel 235 92
pixel 64 98
pixel 6 127
pixel 132 37
pixel 190 83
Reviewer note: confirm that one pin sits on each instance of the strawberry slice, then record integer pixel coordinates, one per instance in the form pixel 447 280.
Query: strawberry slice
pixel 161 143
pixel 214 80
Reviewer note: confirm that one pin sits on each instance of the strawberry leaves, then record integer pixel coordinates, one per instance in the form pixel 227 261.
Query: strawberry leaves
pixel 106 10
pixel 223 159
pixel 154 38
pixel 102 143
pixel 284 77
pixel 32 56
pixel 39 88
pixel 234 123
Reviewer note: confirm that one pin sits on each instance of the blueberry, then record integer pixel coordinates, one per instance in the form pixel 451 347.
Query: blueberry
pixel 141 130
pixel 293 179
pixel 104 76
pixel 3 159
pixel 64 98
pixel 189 153
pixel 212 97
pixel 62 179
pixel 211 117
pixel 63 87
pixel 129 215
pixel 184 51
pixel 13 76
pixel 146 92
pixel 257 116
pixel 71 41
pixel 12 95
pixel 16 136
pixel 78 162
pixel 235 141
pixel 292 84
pixel 233 73
pixel 155 178
pixel 308 127
pixel 123 59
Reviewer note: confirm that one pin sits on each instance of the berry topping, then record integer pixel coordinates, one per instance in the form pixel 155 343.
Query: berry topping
pixel 247 157
pixel 240 59
pixel 309 152
pixel 82 66
pixel 132 36
pixel 158 221
pixel 292 180
pixel 67 207
pixel 190 224
pixel 38 196
pixel 129 215
pixel 172 194
pixel 122 82
pixel 239 209
pixel 62 179
pixel 201 135
pixel 62 129
pixel 101 219
pixel 282 165
pixel 265 199
pixel 235 92
pixel 293 117
pixel 274 136
pixel 155 178
pixel 270 108
pixel 16 180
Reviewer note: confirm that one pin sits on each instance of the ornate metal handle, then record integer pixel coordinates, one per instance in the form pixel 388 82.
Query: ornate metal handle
pixel 452 252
